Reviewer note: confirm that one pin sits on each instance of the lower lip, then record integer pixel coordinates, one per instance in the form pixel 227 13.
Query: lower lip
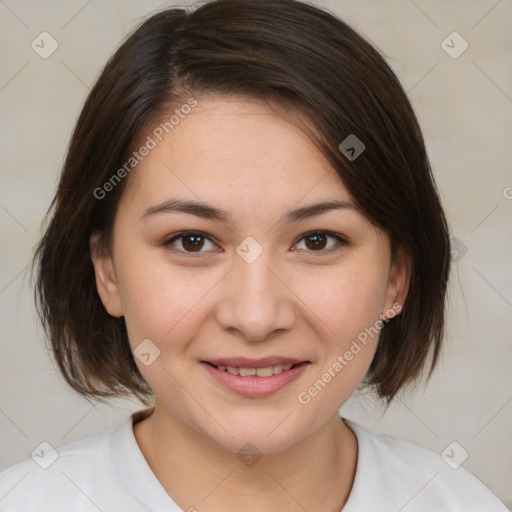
pixel 254 386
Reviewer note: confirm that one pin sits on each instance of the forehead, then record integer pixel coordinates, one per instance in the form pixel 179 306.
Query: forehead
pixel 233 152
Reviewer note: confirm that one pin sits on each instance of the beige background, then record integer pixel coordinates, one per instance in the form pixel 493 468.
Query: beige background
pixel 464 106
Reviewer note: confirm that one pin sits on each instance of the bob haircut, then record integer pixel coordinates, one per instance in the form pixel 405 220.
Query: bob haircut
pixel 285 53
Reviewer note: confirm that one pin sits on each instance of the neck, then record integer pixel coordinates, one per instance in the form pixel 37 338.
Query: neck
pixel 314 474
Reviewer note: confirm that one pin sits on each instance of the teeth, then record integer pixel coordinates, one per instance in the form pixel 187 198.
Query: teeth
pixel 268 371
pixel 265 372
pixel 247 372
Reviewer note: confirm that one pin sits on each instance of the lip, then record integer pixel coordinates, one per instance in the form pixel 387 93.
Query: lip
pixel 254 386
pixel 244 362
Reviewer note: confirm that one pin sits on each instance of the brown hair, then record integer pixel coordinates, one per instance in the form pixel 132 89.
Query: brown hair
pixel 281 51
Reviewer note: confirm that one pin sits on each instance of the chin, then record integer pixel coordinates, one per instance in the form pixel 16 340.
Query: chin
pixel 268 436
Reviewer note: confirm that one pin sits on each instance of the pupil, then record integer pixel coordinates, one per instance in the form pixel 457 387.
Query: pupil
pixel 196 243
pixel 318 243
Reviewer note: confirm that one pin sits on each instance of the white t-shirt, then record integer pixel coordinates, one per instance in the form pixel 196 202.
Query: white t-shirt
pixel 107 472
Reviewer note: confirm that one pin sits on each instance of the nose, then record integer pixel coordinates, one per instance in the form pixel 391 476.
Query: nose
pixel 255 299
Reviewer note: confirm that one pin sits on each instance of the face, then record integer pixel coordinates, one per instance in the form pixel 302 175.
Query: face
pixel 254 288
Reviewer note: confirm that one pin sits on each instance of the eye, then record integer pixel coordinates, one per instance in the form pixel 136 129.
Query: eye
pixel 190 242
pixel 317 241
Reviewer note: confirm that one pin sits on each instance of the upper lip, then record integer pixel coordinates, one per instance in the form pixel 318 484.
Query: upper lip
pixel 245 362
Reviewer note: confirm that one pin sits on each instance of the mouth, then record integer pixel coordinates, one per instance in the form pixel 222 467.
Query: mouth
pixel 251 371
pixel 255 378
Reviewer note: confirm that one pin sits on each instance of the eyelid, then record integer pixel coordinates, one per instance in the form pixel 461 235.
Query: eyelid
pixel 182 234
pixel 342 241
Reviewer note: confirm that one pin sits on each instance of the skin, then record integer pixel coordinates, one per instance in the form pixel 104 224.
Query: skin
pixel 293 300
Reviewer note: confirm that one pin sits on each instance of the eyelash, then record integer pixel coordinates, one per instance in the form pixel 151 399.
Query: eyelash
pixel 183 234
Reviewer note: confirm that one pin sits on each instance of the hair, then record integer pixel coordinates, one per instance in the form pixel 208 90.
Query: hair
pixel 283 52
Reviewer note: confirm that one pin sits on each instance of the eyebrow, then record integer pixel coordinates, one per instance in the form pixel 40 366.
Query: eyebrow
pixel 209 212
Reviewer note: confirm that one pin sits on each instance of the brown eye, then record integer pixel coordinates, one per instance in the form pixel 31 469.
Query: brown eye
pixel 191 242
pixel 194 242
pixel 317 241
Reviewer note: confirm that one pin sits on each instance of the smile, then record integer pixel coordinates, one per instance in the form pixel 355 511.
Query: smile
pixel 257 379
pixel 265 372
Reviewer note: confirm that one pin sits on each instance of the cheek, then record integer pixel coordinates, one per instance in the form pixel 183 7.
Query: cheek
pixel 163 302
pixel 167 308
pixel 345 300
pixel 347 309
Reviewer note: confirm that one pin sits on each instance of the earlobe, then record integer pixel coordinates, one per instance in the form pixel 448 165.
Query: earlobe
pixel 398 283
pixel 106 282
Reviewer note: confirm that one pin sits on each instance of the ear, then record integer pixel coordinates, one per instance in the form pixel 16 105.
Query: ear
pixel 106 282
pixel 398 283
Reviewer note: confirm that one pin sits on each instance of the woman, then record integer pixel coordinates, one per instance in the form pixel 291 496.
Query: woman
pixel 245 231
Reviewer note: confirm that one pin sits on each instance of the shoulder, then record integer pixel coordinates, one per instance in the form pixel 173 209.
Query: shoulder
pixel 66 478
pixel 403 476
